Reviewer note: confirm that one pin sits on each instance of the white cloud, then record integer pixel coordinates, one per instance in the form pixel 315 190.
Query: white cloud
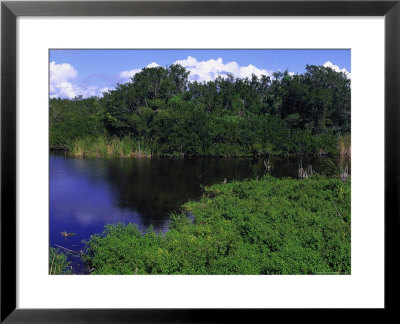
pixel 248 71
pixel 63 83
pixel 336 68
pixel 127 75
pixel 61 72
pixel 105 89
pixel 63 89
pixel 151 65
pixel 60 76
pixel 211 69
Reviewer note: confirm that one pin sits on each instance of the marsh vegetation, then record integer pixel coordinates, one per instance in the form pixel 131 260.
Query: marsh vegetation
pixel 231 176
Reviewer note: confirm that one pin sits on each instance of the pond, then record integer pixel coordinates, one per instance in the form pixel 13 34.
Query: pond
pixel 86 194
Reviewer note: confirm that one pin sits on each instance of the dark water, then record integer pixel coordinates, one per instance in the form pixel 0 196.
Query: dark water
pixel 86 194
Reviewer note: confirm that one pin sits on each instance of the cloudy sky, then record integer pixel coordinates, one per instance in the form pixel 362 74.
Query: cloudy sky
pixel 91 72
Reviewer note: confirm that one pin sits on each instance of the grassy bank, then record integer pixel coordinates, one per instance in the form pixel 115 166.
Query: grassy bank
pixel 103 147
pixel 268 226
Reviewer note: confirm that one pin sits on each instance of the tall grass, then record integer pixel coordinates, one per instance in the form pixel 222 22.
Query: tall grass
pixel 101 147
pixel 344 145
pixel 58 263
pixel 114 147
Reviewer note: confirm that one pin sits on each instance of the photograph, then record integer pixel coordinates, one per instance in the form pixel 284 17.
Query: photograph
pixel 199 161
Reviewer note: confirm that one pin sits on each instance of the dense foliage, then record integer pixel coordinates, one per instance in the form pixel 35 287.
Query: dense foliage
pixel 286 114
pixel 267 226
pixel 74 119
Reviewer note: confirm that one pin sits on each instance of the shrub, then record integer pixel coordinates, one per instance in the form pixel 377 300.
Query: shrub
pixel 267 226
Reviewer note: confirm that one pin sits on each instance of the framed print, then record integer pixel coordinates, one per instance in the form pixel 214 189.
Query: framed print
pixel 180 160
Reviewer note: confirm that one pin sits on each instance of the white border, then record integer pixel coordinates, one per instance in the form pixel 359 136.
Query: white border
pixel 363 288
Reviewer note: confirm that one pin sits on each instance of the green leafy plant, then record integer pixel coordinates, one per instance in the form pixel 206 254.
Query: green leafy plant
pixel 58 263
pixel 266 226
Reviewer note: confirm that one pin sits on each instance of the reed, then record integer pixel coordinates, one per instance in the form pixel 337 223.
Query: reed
pixel 58 263
pixel 101 147
pixel 344 145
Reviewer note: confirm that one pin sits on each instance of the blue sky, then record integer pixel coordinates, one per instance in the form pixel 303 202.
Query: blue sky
pixel 90 72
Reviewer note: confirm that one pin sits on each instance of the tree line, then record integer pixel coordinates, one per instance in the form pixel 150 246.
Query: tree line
pixel 284 114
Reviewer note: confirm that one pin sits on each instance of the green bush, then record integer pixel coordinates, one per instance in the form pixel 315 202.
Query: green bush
pixel 270 226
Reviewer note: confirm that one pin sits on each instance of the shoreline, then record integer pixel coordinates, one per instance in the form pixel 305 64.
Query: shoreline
pixel 184 156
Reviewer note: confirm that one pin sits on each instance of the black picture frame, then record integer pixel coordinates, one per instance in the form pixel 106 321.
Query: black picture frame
pixel 10 10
